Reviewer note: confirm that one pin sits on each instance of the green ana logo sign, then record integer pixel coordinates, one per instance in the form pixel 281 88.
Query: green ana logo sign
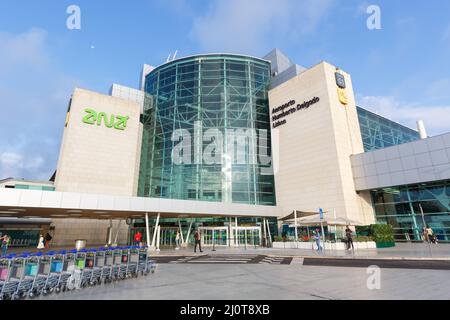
pixel 116 122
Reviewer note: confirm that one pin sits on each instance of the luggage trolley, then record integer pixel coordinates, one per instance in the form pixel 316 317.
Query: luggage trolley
pixel 133 262
pixel 68 265
pixel 108 266
pixel 40 272
pixel 56 265
pixel 117 262
pixel 4 270
pixel 95 260
pixel 82 263
pixel 150 264
pixel 142 264
pixel 10 275
pixel 23 272
pixel 145 264
pixel 125 256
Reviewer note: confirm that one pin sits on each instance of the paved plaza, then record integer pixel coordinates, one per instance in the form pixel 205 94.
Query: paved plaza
pixel 407 271
pixel 268 281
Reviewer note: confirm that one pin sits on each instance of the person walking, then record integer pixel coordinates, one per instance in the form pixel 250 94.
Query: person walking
pixel 349 236
pixel 137 238
pixel 197 237
pixel 317 240
pixel 177 240
pixel 430 234
pixel 425 235
pixel 5 241
pixel 47 240
pixel 41 244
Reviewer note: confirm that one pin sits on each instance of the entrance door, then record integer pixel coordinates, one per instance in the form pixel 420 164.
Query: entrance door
pixel 249 236
pixel 220 236
pixel 168 235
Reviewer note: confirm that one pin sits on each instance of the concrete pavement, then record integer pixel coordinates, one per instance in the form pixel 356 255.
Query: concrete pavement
pixel 272 282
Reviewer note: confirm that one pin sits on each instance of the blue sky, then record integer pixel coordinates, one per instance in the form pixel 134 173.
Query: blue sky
pixel 401 71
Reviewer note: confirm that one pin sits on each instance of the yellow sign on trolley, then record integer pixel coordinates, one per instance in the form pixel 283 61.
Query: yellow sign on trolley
pixel 343 98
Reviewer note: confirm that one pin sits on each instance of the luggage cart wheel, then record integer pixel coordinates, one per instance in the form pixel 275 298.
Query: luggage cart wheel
pixel 57 290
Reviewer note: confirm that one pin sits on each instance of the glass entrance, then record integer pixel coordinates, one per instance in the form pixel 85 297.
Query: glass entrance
pixel 249 236
pixel 168 235
pixel 219 234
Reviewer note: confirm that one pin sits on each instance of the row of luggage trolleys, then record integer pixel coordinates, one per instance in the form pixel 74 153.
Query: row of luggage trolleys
pixel 33 274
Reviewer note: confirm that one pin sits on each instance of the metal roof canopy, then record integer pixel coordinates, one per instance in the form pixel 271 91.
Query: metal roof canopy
pixel 300 214
pixel 316 221
pixel 66 205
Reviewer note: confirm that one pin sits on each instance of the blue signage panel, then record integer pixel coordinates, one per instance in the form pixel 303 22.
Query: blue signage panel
pixel 321 213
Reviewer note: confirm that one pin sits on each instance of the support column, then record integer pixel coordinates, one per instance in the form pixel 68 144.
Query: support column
pixel 156 230
pixel 264 230
pixel 230 232
pixel 189 233
pixel 110 229
pixel 147 230
pixel 158 239
pixel 117 232
pixel 181 232
pixel 268 230
pixel 295 225
pixel 236 238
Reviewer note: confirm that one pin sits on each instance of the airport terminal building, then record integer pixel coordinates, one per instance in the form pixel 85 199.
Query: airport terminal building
pixel 230 144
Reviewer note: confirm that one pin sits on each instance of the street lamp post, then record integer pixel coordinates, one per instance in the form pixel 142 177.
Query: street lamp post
pixel 321 227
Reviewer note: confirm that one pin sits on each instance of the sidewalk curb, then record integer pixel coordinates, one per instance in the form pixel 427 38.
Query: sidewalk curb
pixel 313 257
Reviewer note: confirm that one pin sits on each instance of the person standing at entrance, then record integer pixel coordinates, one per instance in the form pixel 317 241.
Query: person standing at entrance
pixel 425 235
pixel 198 239
pixel 47 240
pixel 5 241
pixel 349 236
pixel 41 244
pixel 137 238
pixel 317 240
pixel 430 235
pixel 177 240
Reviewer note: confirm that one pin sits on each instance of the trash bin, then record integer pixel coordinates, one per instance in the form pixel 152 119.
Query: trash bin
pixel 80 244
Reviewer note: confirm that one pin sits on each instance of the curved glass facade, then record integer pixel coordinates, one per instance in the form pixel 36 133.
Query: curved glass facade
pixel 203 96
pixel 402 208
pixel 378 132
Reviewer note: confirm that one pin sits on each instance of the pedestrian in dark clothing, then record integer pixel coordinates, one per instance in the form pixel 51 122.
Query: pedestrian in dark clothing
pixel 47 239
pixel 5 240
pixel 349 236
pixel 198 238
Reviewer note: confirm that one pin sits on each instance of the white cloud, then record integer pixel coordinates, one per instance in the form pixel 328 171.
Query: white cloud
pixel 26 49
pixel 245 26
pixel 11 159
pixel 33 95
pixel 436 117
